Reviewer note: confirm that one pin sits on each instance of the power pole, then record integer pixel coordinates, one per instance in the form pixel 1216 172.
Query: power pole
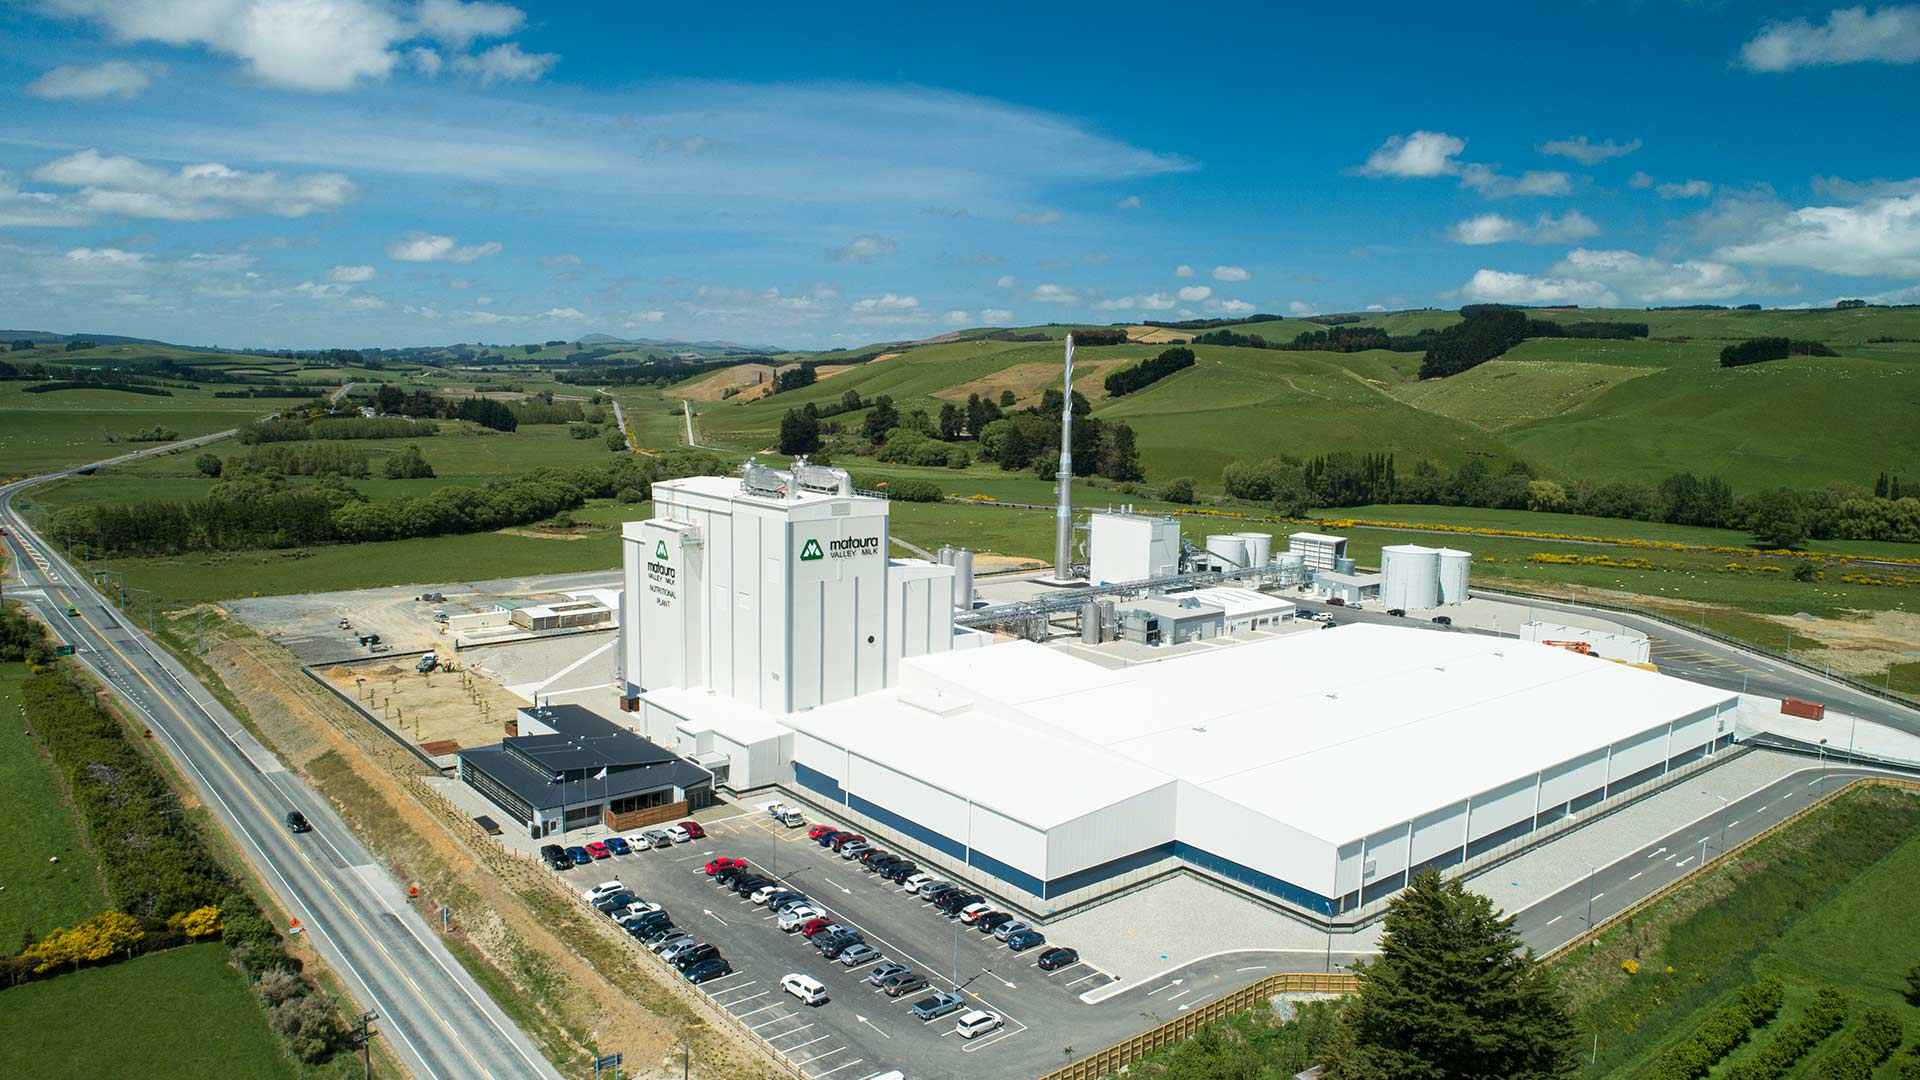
pixel 364 1037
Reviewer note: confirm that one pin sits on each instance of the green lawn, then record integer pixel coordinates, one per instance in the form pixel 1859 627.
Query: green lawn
pixel 36 824
pixel 39 432
pixel 180 1013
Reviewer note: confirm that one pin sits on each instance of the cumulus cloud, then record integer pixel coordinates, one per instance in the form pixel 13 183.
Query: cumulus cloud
pixel 1486 229
pixel 1037 217
pixel 1502 287
pixel 124 186
pixel 1691 189
pixel 1493 184
pixel 1567 228
pixel 1230 273
pixel 1050 293
pixel 1131 202
pixel 1235 307
pixel 505 63
pixel 1183 270
pixel 1640 180
pixel 85 82
pixel 1157 301
pixel 1300 307
pixel 1876 236
pixel 864 249
pixel 351 275
pixel 564 314
pixel 105 256
pixel 459 24
pixel 886 302
pixel 643 318
pixel 1601 278
pixel 957 317
pixel 429 247
pixel 1421 154
pixel 1195 293
pixel 1116 303
pixel 36 208
pixel 1853 35
pixel 1586 152
pixel 996 316
pixel 1005 281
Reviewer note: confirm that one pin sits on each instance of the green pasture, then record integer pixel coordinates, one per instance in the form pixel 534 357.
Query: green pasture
pixel 39 826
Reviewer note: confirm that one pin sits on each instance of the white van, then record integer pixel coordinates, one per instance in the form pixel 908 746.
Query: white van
pixel 807 989
pixel 976 1023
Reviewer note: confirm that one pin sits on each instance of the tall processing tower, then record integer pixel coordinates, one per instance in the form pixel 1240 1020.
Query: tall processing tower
pixel 1063 513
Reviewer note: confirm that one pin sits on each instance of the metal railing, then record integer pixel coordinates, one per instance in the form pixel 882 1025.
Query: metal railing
pixel 1071 599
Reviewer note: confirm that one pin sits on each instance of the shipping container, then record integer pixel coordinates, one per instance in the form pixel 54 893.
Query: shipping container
pixel 1805 710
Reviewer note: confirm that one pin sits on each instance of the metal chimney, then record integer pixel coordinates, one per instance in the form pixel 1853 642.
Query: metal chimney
pixel 1063 514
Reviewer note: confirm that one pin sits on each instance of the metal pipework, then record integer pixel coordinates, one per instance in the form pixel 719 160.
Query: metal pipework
pixel 1063 513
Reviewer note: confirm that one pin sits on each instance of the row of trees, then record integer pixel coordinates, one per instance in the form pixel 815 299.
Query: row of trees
pixel 1147 372
pixel 1761 349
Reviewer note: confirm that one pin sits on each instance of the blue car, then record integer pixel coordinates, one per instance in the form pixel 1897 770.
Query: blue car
pixel 619 846
pixel 579 856
pixel 1025 939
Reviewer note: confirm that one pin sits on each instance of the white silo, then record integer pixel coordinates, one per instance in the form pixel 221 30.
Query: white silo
pixel 1259 547
pixel 1409 577
pixel 1228 552
pixel 1454 567
pixel 963 578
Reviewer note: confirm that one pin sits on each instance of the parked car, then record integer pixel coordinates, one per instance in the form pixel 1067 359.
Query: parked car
pixel 673 936
pixel 787 901
pixel 976 1023
pixel 794 918
pixel 579 855
pixel 900 871
pixel 1025 939
pixel 957 901
pixel 726 874
pixel 598 850
pixel 723 862
pixel 813 926
pixel 766 892
pixel 852 850
pixel 792 819
pixel 841 840
pixel 910 982
pixel 1397 612
pixel 662 932
pixel 1009 928
pixel 818 831
pixel 1334 601
pixel 605 888
pixel 555 856
pixel 694 955
pixel 713 967
pixel 1443 620
pixel 857 954
pixel 972 912
pixel 677 833
pixel 657 838
pixel 675 951
pixel 618 845
pixel 836 937
pixel 828 933
pixel 805 987
pixel 615 900
pixel 297 822
pixel 1058 957
pixel 992 921
pixel 653 924
pixel 832 950
pixel 827 836
pixel 882 972
pixel 745 884
pixel 913 882
pixel 935 1006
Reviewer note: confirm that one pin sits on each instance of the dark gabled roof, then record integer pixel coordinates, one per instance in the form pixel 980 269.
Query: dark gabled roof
pixel 583 744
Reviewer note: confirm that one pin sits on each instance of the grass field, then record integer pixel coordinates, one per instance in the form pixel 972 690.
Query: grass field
pixel 38 823
pixel 1812 905
pixel 179 1013
pixel 39 432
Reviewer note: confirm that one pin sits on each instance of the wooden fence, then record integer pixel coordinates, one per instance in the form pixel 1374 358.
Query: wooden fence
pixel 1127 1051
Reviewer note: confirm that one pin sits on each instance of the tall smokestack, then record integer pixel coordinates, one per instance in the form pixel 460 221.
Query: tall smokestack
pixel 1063 514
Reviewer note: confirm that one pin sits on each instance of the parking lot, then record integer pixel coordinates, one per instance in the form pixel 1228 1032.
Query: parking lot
pixel 860 1032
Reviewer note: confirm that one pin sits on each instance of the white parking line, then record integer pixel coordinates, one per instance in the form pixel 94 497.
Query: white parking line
pixel 761 1009
pixel 1181 994
pixel 744 1000
pixel 1555 919
pixel 790 1031
pixel 770 1023
pixel 837 1068
pixel 827 1054
pixel 802 1046
pixel 1635 877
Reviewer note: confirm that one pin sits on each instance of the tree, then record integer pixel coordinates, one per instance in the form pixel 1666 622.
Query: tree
pixel 1451 995
pixel 389 399
pixel 1119 459
pixel 1179 490
pixel 882 418
pixel 799 433
pixel 1913 985
pixel 208 465
pixel 408 464
pixel 615 440
pixel 1778 519
pixel 1006 398
pixel 951 420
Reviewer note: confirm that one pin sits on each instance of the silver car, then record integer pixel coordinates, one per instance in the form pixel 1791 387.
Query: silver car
pixel 671 941
pixel 657 838
pixel 1007 929
pixel 856 955
pixel 673 951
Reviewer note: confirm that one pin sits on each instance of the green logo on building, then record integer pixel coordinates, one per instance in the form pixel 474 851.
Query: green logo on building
pixel 811 551
pixel 661 551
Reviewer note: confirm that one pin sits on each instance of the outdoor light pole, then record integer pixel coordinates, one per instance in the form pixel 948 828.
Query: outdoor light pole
pixel 1723 823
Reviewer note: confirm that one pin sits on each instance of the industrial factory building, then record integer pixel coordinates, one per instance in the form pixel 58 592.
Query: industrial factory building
pixel 1125 546
pixel 1314 770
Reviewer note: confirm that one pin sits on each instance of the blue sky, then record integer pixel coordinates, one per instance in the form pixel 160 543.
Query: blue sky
pixel 391 172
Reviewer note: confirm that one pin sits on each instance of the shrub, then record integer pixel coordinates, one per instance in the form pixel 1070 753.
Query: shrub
pixel 408 464
pixel 1725 1028
pixel 1755 350
pixel 97 939
pixel 311 1029
pixel 1179 490
pixel 1860 1049
pixel 208 464
pixel 1793 1041
pixel 924 491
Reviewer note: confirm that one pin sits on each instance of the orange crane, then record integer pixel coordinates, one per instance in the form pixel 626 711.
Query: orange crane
pixel 1580 647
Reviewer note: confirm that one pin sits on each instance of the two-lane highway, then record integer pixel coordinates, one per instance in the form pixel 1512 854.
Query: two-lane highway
pixel 437 1019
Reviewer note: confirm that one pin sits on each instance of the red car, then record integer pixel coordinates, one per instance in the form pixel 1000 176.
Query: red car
pixel 598 850
pixel 694 830
pixel 818 831
pixel 847 838
pixel 722 863
pixel 814 925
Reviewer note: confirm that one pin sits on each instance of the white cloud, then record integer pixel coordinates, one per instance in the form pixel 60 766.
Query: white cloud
pixel 351 274
pixel 887 302
pixel 864 249
pixel 1116 303
pixel 1640 180
pixel 208 262
pixel 1301 307
pixel 1183 270
pixel 459 24
pixel 305 44
pixel 1570 227
pixel 643 318
pixel 1235 307
pixel 1423 153
pixel 1890 35
pixel 1491 183
pixel 36 208
pixel 1835 187
pixel 1692 189
pixel 1049 293
pixel 1158 301
pixel 1588 153
pixel 995 316
pixel 564 314
pixel 1039 217
pixel 366 302
pixel 321 290
pixel 124 186
pixel 1230 273
pixel 428 247
pixel 1655 281
pixel 1877 236
pixel 1195 293
pixel 106 256
pixel 1131 202
pixel 1501 287
pixel 1376 307
pixel 85 82
pixel 957 317
pixel 1005 281
pixel 426 61
pixel 1486 229
pixel 505 63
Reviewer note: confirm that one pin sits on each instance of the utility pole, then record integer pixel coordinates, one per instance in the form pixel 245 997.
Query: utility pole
pixel 364 1037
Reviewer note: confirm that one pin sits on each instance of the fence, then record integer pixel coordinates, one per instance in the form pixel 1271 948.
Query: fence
pixel 1670 887
pixel 1106 1062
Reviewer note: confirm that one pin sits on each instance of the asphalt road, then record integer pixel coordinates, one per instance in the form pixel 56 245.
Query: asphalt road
pixel 437 1020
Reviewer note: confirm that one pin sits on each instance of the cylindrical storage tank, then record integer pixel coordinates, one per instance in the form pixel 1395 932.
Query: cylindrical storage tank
pixel 1109 620
pixel 1259 547
pixel 1227 550
pixel 1343 566
pixel 945 555
pixel 1292 566
pixel 1090 623
pixel 1409 577
pixel 1454 568
pixel 963 578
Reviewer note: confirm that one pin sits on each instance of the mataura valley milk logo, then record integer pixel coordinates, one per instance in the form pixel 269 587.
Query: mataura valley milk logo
pixel 660 575
pixel 848 548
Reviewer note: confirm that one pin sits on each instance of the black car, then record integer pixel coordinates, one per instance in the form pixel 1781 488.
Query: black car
pixel 747 886
pixel 957 899
pixel 726 874
pixel 297 822
pixel 1058 957
pixel 713 967
pixel 879 863
pixel 1025 939
pixel 555 857
pixel 1397 612
pixel 832 949
pixel 934 894
pixel 694 955
pixel 991 921
pixel 907 982
pixel 900 871
pixel 615 901
pixel 843 935
pixel 1443 620
pixel 827 838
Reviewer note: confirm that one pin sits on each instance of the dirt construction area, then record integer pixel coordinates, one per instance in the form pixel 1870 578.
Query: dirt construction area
pixel 441 711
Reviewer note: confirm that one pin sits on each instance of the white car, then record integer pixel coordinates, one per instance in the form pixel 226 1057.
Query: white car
pixel 791 918
pixel 601 891
pixel 807 989
pixel 913 883
pixel 677 834
pixel 761 894
pixel 976 1023
pixel 972 912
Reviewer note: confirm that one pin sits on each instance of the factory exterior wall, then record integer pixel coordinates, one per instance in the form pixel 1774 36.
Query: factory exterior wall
pixel 1126 828
pixel 1571 779
pixel 1435 834
pixel 938 810
pixel 1254 846
pixel 1497 809
pixel 1008 844
pixel 919 614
